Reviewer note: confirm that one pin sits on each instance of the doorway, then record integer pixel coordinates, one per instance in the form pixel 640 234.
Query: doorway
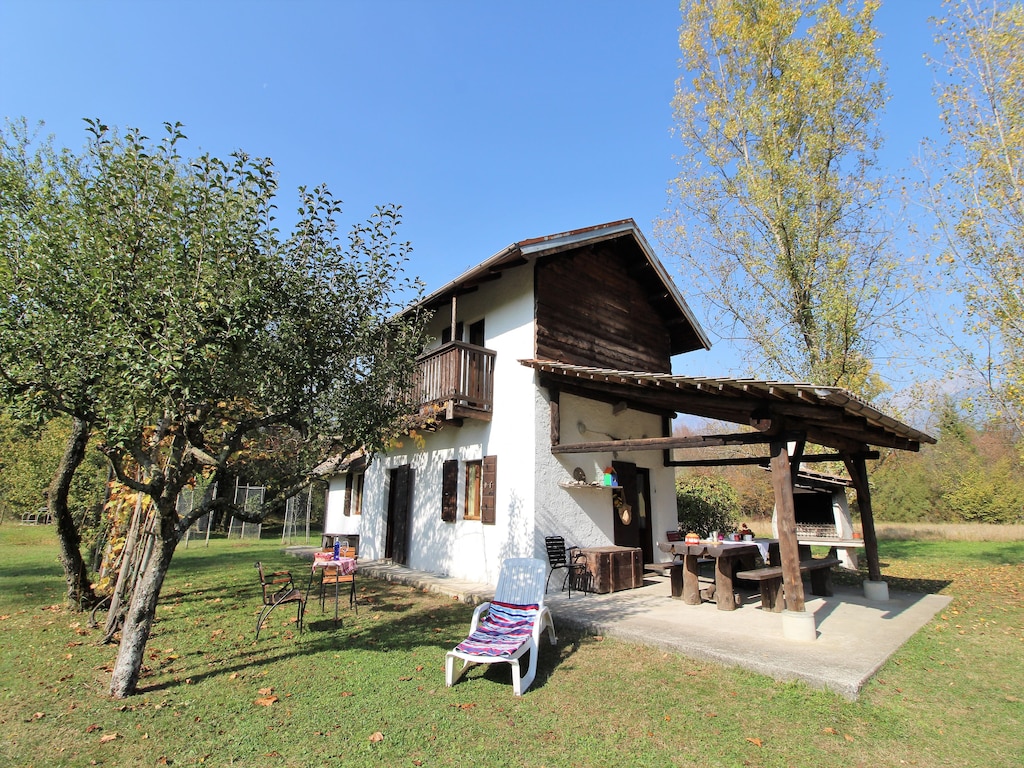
pixel 396 536
pixel 631 507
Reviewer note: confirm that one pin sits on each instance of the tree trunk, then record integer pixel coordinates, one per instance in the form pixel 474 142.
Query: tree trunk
pixel 80 593
pixel 127 573
pixel 141 612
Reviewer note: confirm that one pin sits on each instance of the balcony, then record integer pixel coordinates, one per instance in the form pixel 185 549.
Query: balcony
pixel 457 379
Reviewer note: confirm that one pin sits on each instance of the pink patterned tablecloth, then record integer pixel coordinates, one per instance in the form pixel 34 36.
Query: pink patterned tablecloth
pixel 344 565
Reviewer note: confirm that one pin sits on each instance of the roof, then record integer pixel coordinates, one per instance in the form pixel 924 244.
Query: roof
pixel 830 416
pixel 686 339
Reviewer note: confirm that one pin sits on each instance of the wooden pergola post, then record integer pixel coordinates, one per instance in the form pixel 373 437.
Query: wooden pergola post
pixel 858 470
pixel 789 550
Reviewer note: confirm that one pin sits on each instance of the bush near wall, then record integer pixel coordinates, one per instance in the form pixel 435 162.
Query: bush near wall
pixel 706 503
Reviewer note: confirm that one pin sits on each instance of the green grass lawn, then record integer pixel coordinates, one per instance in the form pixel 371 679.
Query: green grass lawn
pixel 372 691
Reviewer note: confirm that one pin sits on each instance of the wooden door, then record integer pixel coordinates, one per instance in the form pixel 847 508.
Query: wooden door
pixel 625 504
pixel 643 513
pixel 396 544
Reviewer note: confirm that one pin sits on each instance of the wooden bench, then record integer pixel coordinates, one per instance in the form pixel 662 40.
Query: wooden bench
pixel 844 549
pixel 770 579
pixel 674 570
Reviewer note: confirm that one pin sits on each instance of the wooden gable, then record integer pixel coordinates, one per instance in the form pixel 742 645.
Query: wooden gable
pixel 602 305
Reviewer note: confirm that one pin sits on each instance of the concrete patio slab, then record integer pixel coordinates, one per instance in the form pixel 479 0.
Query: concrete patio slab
pixel 854 636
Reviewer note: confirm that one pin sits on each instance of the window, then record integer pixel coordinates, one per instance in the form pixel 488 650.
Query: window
pixel 357 494
pixel 446 333
pixel 476 333
pixel 474 475
pixel 353 494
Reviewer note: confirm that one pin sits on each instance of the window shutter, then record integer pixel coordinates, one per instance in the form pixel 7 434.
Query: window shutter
pixel 488 499
pixel 348 495
pixel 449 490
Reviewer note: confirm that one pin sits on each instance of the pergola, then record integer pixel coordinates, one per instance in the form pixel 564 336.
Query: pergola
pixel 786 418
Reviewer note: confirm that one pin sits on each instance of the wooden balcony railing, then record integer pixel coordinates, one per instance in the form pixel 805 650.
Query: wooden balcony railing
pixel 459 376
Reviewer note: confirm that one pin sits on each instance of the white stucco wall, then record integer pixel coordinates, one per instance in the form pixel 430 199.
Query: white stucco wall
pixel 335 519
pixel 468 549
pixel 530 503
pixel 583 516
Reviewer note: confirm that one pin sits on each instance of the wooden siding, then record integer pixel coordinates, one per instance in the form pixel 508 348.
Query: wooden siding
pixel 594 308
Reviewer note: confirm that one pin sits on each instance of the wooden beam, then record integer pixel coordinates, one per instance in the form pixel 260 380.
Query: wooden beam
pixel 858 470
pixel 556 417
pixel 657 443
pixel 826 425
pixel 666 430
pixel 746 461
pixel 782 484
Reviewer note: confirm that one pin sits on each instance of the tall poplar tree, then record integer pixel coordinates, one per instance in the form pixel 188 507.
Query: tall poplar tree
pixel 780 212
pixel 978 192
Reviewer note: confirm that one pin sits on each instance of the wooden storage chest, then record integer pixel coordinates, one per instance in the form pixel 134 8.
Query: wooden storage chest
pixel 611 569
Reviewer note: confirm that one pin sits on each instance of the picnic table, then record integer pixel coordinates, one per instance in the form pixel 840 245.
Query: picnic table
pixel 727 556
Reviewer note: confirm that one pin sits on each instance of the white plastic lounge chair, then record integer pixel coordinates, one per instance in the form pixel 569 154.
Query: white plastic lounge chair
pixel 509 626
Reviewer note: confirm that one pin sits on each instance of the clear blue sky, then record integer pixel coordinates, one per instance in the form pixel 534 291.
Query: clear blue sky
pixel 489 122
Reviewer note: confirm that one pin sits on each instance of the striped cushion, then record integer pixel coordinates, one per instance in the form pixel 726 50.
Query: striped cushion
pixel 502 631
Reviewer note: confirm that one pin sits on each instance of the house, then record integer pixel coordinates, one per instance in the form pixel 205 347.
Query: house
pixel 485 485
pixel 551 363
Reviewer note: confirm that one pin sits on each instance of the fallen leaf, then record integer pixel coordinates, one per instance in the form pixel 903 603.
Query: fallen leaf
pixel 376 736
pixel 347 693
pixel 265 691
pixel 848 737
pixel 38 715
pixel 265 701
pixel 404 679
pixel 830 731
pixel 108 738
pixel 755 741
pixel 93 727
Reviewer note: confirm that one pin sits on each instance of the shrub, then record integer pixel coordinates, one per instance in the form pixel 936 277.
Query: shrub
pixel 705 503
